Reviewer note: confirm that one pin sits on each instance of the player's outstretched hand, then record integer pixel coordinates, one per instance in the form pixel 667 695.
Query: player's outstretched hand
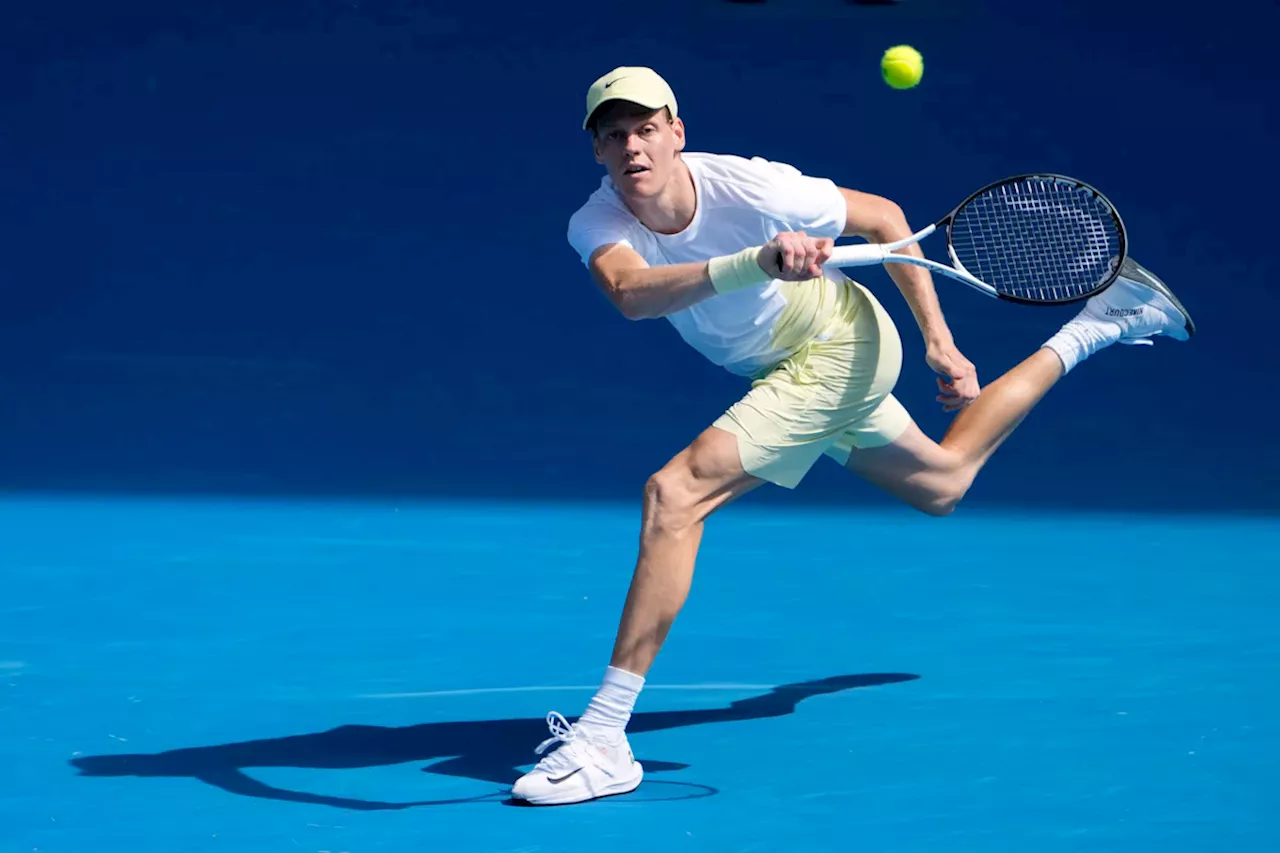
pixel 957 377
pixel 795 256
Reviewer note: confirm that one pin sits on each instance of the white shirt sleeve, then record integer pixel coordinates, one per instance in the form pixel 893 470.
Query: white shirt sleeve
pixel 801 202
pixel 596 225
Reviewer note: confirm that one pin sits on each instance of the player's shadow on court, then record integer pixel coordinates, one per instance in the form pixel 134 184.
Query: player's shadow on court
pixel 484 750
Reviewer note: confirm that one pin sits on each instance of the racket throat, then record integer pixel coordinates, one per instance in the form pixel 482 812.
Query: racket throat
pixel 871 254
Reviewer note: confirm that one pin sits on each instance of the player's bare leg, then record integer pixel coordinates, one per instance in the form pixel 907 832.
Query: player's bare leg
pixel 677 501
pixel 934 476
pixel 593 758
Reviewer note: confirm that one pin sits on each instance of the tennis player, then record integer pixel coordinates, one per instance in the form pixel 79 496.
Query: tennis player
pixel 696 238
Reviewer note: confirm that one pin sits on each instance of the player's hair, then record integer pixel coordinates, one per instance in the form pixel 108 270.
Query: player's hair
pixel 622 109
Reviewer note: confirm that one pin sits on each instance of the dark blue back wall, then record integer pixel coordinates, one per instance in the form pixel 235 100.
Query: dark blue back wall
pixel 318 246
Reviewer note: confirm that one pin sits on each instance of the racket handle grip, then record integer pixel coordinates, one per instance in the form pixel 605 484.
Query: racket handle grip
pixel 863 255
pixel 854 256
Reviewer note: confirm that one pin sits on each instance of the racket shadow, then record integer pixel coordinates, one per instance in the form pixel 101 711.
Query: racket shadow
pixel 482 750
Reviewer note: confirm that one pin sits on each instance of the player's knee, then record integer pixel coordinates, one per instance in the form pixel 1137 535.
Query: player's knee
pixel 944 492
pixel 670 505
pixel 943 499
pixel 940 506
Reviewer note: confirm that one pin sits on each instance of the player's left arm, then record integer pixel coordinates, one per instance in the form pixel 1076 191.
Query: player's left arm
pixel 880 220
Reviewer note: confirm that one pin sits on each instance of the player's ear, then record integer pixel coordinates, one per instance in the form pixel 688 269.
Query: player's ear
pixel 677 127
pixel 595 148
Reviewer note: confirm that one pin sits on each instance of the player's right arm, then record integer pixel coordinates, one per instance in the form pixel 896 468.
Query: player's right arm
pixel 642 292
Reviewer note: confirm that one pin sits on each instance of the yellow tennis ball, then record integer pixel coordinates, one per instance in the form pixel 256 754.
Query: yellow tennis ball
pixel 902 66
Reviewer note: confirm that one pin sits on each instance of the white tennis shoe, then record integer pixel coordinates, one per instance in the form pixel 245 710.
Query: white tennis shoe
pixel 1142 306
pixel 588 763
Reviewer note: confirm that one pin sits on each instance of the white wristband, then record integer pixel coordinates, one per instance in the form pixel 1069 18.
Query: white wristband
pixel 737 271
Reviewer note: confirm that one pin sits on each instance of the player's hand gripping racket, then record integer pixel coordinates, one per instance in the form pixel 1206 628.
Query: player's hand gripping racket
pixel 1033 239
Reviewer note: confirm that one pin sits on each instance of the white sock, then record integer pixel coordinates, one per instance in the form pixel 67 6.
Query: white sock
pixel 611 707
pixel 1081 338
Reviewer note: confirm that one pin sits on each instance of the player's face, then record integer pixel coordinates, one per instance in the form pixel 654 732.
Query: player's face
pixel 639 151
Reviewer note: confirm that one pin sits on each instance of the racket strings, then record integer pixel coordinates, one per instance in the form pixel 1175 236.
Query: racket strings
pixel 1039 239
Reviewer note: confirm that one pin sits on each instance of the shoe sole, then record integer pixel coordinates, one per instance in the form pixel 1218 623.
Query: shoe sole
pixel 568 798
pixel 1137 272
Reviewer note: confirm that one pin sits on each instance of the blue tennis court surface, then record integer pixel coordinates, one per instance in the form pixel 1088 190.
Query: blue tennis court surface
pixel 267 676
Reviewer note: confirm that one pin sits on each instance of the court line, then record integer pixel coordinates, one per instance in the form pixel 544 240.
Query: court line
pixel 534 688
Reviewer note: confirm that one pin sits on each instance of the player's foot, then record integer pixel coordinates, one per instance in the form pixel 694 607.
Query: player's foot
pixel 1133 310
pixel 587 763
pixel 1142 306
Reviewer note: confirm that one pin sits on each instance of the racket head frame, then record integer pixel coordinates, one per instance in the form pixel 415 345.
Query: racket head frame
pixel 947 222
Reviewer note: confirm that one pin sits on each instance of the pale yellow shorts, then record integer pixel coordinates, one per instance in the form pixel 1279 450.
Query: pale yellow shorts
pixel 830 396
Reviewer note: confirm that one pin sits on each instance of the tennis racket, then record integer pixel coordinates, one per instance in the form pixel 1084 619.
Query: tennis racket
pixel 1039 239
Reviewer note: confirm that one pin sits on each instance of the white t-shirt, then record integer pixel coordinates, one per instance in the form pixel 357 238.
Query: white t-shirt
pixel 741 202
